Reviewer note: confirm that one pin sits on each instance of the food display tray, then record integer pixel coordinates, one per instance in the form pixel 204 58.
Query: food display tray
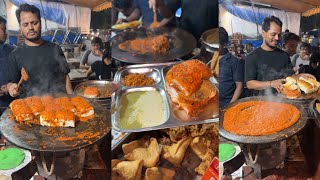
pixel 189 163
pixel 176 117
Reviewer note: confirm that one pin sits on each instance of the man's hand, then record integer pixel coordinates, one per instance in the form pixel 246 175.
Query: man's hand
pixel 152 5
pixel 277 84
pixel 13 89
pixel 3 90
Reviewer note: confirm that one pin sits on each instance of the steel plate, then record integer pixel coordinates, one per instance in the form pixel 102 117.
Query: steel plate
pixel 177 117
pixel 45 139
pixel 181 43
pixel 103 87
pixel 290 131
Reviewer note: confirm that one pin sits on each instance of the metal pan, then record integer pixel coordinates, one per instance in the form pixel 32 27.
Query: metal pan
pixel 181 43
pixel 104 87
pixel 39 138
pixel 290 131
pixel 177 117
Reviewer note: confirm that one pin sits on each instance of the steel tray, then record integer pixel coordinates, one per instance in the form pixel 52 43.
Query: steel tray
pixel 176 117
pixel 184 172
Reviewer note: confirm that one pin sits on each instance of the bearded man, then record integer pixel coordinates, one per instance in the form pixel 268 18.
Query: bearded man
pixel 43 61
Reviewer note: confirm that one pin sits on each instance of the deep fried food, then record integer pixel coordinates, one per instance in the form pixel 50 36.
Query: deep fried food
pixel 150 155
pixel 200 146
pixel 140 143
pixel 175 153
pixel 207 159
pixel 136 79
pixel 129 170
pixel 159 173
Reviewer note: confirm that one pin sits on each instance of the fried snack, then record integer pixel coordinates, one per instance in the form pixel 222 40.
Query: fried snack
pixel 175 153
pixel 249 118
pixel 84 111
pixel 35 104
pixel 129 170
pixel 91 92
pixel 200 146
pixel 136 79
pixel 140 143
pixel 207 159
pixel 188 85
pixel 21 111
pixel 159 173
pixel 65 103
pixel 156 45
pixel 150 155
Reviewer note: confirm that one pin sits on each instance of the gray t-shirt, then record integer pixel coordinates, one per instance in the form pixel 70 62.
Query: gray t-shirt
pixel 89 58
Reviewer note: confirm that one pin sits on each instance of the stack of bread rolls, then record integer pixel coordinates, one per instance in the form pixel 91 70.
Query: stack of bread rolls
pixel 293 88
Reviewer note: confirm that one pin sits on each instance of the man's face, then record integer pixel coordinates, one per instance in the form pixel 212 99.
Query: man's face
pixel 30 26
pixel 272 36
pixel 291 47
pixel 3 32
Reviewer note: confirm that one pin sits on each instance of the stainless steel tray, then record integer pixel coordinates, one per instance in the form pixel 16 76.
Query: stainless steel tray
pixel 177 117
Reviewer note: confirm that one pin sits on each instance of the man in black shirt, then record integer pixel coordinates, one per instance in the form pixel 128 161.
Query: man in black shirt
pixel 43 61
pixel 267 66
pixel 196 16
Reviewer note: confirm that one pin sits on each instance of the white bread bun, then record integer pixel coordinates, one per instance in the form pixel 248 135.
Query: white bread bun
pixel 290 84
pixel 305 86
pixel 315 83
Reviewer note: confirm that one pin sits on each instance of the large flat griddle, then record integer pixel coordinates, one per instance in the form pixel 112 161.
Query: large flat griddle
pixel 181 44
pixel 285 133
pixel 39 138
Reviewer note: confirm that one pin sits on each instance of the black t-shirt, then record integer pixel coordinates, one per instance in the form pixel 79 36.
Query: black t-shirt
pixel 264 65
pixel 197 16
pixel 45 65
pixel 102 70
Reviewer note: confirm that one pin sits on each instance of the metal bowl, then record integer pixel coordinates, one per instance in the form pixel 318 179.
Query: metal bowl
pixel 210 40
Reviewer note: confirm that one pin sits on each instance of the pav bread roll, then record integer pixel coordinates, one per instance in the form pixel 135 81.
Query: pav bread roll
pixel 305 85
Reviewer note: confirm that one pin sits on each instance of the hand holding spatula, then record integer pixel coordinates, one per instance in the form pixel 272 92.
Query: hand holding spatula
pixel 13 88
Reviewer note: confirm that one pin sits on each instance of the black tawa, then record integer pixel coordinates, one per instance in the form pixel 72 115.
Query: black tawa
pixel 281 135
pixel 181 43
pixel 39 138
